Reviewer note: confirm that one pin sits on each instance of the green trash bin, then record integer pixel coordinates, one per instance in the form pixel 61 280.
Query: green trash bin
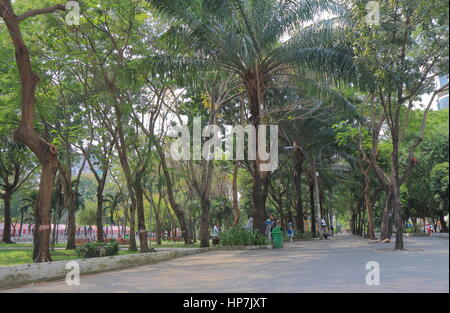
pixel 277 237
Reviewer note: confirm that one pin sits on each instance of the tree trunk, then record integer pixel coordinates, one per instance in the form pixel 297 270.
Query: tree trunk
pixel 204 224
pixel 21 223
pixel 44 207
pixel 368 205
pixel 99 217
pixel 322 209
pixel 70 204
pixel 313 210
pixel 128 176
pixel 396 203
pixel 59 208
pixel 101 182
pixel 7 226
pixel 398 220
pixel 175 207
pixel 71 233
pixel 255 88
pixel 353 223
pixel 158 229
pixel 298 169
pixel 259 205
pixel 141 217
pixel 444 227
pixel 386 228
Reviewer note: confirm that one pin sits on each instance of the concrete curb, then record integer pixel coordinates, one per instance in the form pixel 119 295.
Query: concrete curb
pixel 437 235
pixel 12 276
pixel 262 247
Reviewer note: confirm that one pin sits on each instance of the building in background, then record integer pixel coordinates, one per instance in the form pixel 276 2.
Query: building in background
pixel 442 102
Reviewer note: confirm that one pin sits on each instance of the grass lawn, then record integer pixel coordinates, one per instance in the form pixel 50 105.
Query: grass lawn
pixel 23 256
pixel 27 245
pixel 165 244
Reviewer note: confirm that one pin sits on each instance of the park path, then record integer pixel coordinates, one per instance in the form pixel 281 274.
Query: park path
pixel 336 265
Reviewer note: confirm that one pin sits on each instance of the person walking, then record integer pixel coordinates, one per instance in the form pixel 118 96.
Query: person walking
pixel 269 225
pixel 290 232
pixel 323 229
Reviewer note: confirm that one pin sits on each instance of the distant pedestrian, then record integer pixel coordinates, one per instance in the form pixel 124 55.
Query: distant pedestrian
pixel 269 225
pixel 216 235
pixel 323 229
pixel 249 225
pixel 429 229
pixel 290 232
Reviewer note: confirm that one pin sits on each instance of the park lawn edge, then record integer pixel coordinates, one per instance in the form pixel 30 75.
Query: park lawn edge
pixel 19 275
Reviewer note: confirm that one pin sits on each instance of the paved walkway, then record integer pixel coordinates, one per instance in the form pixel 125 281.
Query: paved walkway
pixel 337 265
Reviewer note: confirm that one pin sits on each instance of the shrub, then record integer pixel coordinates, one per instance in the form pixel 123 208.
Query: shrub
pixel 303 236
pixel 239 236
pixel 98 249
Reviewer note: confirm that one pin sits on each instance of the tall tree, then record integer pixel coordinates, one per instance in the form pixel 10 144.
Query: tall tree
pixel 246 38
pixel 26 133
pixel 16 167
pixel 403 55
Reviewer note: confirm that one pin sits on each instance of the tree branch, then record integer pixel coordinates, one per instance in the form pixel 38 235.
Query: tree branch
pixel 24 16
pixel 421 134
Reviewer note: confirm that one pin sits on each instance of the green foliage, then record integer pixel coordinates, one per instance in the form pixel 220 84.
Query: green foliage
pixel 424 193
pixel 349 134
pixel 96 249
pixel 303 236
pixel 239 236
pixel 439 181
pixel 221 210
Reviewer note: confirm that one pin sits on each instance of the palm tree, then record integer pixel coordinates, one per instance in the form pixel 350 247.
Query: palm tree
pixel 112 204
pixel 263 44
pixel 27 207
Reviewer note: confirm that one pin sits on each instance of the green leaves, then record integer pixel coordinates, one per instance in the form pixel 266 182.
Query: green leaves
pixel 239 236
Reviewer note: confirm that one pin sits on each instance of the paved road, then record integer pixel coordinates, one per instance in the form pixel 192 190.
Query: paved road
pixel 336 265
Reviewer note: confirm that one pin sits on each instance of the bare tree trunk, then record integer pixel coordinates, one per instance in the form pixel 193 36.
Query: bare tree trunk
pixel 175 207
pixel 21 223
pixel 386 220
pixel 397 207
pixel 444 227
pixel 158 229
pixel 7 227
pixel 259 205
pixel 313 210
pixel 299 157
pixel 368 205
pixel 205 224
pixel 141 217
pixel 71 232
pixel 353 222
pixel 123 157
pixel 59 208
pixel 99 217
pixel 255 89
